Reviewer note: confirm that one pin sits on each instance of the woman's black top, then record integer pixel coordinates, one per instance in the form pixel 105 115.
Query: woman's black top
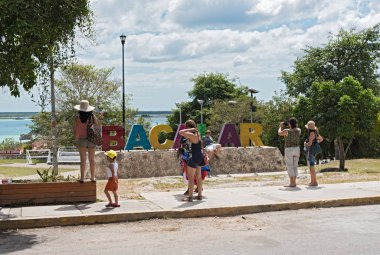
pixel 196 152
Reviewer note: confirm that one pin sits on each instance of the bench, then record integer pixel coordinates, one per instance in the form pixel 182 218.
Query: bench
pixel 36 154
pixel 68 155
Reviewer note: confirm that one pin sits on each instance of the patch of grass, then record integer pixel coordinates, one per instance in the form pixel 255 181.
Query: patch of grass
pixel 246 179
pixel 356 165
pixel 7 171
pixel 12 161
pixel 265 178
pixel 169 186
pixel 347 178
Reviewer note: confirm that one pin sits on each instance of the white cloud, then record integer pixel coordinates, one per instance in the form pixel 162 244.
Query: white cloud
pixel 170 41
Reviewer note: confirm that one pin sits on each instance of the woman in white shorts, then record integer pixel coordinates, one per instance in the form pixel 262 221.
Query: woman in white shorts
pixel 85 116
pixel 292 148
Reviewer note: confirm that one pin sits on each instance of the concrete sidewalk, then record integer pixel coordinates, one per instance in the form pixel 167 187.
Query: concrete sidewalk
pixel 217 202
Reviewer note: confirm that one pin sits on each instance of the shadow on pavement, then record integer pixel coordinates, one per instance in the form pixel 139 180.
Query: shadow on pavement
pixel 67 208
pixel 106 209
pixel 73 207
pixel 290 189
pixel 180 197
pixel 83 206
pixel 12 240
pixel 314 187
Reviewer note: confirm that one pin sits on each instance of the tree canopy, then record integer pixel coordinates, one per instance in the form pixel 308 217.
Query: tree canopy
pixel 209 87
pixel 341 110
pixel 83 82
pixel 215 86
pixel 31 32
pixel 349 53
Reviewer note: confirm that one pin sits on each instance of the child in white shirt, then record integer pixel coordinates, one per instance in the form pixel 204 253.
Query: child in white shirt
pixel 112 184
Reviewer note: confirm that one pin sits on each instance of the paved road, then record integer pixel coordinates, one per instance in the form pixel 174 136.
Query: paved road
pixel 345 230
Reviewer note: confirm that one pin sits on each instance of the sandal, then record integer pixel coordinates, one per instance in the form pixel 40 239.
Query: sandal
pixel 81 181
pixel 109 205
pixel 188 199
pixel 196 190
pixel 200 197
pixel 115 205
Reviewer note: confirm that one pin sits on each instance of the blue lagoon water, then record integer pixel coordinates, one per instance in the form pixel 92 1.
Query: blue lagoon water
pixel 13 128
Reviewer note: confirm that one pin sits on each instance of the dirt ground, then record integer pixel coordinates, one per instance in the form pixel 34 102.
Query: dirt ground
pixel 132 188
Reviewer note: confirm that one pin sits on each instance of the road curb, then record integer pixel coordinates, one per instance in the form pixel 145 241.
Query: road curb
pixel 188 213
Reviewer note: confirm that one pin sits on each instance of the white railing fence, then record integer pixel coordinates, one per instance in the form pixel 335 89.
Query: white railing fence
pixel 36 154
pixel 69 154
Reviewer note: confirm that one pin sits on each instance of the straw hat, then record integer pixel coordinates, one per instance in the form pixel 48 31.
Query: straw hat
pixel 111 154
pixel 84 106
pixel 310 125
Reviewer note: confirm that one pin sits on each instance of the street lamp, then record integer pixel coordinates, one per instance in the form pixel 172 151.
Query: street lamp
pixel 122 39
pixel 180 112
pixel 253 107
pixel 231 103
pixel 200 101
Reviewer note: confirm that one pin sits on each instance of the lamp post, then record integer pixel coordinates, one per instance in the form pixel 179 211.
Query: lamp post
pixel 231 103
pixel 200 101
pixel 180 112
pixel 253 107
pixel 122 39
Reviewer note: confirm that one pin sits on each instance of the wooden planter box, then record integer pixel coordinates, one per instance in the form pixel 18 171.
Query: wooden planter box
pixel 47 193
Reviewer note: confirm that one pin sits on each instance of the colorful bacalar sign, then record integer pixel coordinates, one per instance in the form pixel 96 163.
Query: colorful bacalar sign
pixel 113 137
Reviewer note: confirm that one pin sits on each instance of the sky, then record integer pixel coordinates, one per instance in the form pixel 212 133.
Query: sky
pixel 171 41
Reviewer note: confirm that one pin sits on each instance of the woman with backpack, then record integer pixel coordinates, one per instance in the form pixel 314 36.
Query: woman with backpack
pixel 83 142
pixel 313 148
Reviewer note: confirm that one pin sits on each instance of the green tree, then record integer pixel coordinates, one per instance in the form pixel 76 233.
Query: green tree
pixel 341 110
pixel 208 87
pixel 214 86
pixel 349 53
pixel 10 144
pixel 34 32
pixel 83 82
pixel 234 111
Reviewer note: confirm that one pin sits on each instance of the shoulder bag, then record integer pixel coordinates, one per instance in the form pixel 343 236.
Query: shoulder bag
pixel 94 133
pixel 315 148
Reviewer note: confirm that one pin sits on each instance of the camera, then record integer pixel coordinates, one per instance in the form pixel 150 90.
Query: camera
pixel 285 123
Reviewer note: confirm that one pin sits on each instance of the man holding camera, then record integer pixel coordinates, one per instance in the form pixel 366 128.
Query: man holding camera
pixel 291 133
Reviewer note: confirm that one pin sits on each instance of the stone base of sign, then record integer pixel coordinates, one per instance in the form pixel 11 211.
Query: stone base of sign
pixel 144 164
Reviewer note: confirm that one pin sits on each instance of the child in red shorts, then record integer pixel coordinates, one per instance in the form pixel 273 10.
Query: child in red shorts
pixel 112 184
